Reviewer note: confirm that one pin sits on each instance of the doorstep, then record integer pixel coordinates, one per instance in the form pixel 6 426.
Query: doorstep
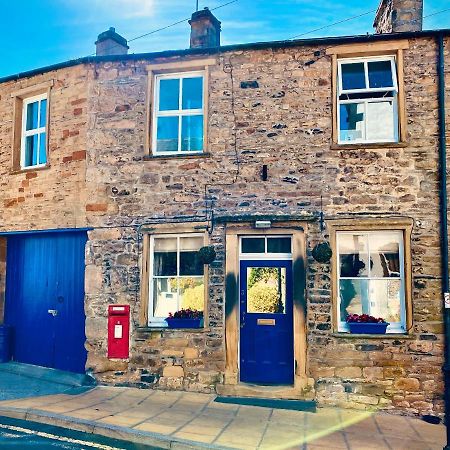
pixel 259 391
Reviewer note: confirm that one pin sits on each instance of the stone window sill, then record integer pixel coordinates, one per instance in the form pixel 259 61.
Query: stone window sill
pixel 361 145
pixel 180 156
pixel 29 169
pixel 374 336
pixel 161 329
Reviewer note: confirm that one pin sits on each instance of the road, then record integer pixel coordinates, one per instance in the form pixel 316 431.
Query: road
pixel 22 435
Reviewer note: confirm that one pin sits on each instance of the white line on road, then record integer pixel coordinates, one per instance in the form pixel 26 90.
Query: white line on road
pixel 58 438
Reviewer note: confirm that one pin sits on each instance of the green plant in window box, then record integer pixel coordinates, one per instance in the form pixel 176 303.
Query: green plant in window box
pixel 185 318
pixel 206 255
pixel 322 252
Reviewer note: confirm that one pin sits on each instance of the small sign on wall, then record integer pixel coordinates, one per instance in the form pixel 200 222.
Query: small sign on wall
pixel 118 331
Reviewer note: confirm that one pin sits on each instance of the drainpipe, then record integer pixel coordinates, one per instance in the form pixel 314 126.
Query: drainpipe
pixel 444 230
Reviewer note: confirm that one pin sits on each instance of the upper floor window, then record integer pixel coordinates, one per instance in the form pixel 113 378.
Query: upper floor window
pixel 371 276
pixel 178 113
pixel 34 132
pixel 367 100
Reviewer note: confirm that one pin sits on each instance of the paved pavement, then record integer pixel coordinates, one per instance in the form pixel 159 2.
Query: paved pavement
pixel 20 434
pixel 182 420
pixel 24 380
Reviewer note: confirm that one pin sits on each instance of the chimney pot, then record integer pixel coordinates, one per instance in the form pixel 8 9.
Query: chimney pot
pixel 205 29
pixel 111 43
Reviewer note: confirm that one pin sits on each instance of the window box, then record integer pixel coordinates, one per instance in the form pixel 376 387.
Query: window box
pixel 184 323
pixel 367 328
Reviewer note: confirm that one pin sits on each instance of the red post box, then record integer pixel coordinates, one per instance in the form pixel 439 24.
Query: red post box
pixel 118 331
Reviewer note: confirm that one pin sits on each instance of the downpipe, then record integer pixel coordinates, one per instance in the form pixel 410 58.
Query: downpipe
pixel 444 230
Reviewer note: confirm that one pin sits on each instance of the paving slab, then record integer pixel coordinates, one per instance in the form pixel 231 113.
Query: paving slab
pixel 179 420
pixel 24 381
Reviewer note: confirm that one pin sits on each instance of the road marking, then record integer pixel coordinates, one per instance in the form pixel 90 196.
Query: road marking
pixel 58 438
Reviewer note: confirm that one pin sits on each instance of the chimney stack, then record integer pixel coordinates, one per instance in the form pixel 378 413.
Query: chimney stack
pixel 111 43
pixel 396 16
pixel 205 30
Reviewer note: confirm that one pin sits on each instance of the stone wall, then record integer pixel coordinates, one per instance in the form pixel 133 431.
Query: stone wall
pixel 52 197
pixel 101 176
pixel 283 121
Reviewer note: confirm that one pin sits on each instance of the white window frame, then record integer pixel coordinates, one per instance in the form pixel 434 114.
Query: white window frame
pixel 176 113
pixel 399 327
pixel 265 255
pixel 35 131
pixel 160 321
pixel 365 101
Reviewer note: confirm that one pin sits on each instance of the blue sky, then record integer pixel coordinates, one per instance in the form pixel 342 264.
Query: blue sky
pixel 41 32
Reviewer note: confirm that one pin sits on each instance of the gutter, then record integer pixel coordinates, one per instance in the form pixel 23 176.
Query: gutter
pixel 444 229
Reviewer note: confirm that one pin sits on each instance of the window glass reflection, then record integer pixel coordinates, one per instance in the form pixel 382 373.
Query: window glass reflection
pixel 266 290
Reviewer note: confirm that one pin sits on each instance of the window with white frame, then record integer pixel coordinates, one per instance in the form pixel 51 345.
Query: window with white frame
pixel 176 275
pixel 178 113
pixel 367 100
pixel 370 271
pixel 34 132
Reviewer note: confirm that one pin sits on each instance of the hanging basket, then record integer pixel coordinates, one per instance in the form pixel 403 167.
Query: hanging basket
pixel 322 252
pixel 206 255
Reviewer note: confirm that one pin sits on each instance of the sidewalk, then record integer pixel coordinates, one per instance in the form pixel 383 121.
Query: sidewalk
pixel 23 381
pixel 182 420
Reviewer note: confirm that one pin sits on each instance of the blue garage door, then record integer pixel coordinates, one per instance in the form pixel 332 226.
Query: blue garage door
pixel 45 299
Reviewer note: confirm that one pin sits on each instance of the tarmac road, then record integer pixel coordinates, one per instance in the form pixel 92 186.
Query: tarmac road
pixel 23 435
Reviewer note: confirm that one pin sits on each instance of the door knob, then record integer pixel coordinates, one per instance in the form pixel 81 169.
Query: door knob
pixel 53 312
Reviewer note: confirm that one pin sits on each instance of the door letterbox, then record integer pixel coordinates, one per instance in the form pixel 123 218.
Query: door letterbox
pixel 118 331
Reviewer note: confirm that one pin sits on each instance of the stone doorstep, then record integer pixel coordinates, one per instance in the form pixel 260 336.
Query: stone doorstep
pixel 107 430
pixel 257 391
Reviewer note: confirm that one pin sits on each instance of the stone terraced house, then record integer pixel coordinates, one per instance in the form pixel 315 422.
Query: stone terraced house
pixel 116 169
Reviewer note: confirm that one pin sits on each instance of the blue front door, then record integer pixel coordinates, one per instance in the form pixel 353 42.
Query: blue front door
pixel 45 299
pixel 266 320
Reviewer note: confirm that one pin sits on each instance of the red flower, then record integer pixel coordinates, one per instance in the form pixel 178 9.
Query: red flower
pixel 363 318
pixel 186 314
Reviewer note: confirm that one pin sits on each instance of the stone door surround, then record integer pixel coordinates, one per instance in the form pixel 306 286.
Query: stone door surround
pixel 302 387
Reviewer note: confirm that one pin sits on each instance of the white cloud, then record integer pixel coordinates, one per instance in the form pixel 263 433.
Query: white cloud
pixel 111 9
pixel 131 8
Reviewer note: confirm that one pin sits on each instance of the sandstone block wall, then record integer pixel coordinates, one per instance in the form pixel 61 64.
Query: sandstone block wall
pixel 284 121
pixel 52 197
pixel 266 107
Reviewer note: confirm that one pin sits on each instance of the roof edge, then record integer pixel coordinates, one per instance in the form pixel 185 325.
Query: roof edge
pixel 336 40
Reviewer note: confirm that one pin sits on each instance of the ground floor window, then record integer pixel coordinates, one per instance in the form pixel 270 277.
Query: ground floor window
pixel 371 276
pixel 176 275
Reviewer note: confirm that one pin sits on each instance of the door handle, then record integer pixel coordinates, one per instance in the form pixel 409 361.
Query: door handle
pixel 53 312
